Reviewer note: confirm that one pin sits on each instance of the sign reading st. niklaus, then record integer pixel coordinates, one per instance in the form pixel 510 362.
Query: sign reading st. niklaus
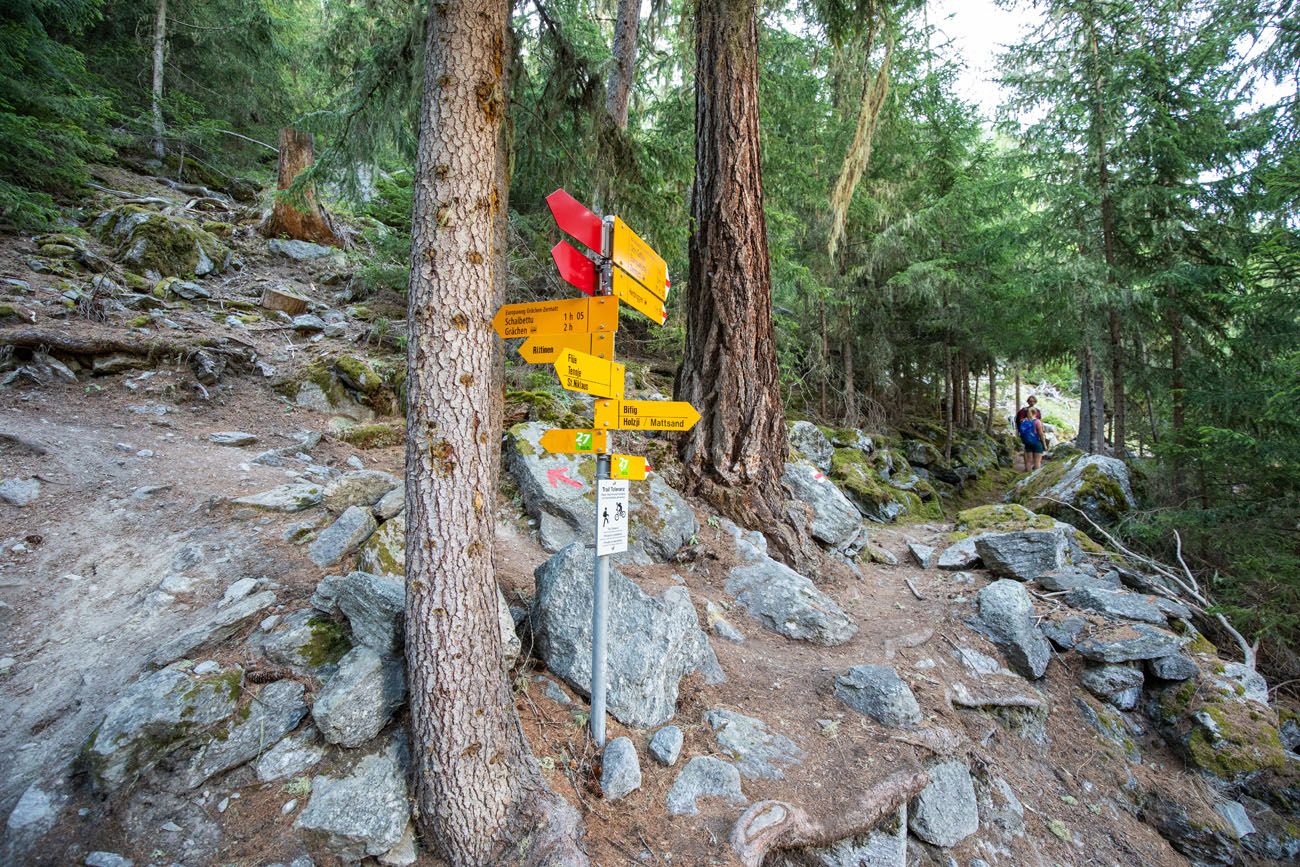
pixel 576 337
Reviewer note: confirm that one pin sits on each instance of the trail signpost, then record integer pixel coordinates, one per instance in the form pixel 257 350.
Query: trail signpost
pixel 576 336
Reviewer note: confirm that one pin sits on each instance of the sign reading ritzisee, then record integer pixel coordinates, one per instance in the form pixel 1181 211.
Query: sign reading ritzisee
pixel 632 467
pixel 636 296
pixel 645 415
pixel 567 316
pixel 566 441
pixel 611 516
pixel 639 259
pixel 545 348
pixel 579 371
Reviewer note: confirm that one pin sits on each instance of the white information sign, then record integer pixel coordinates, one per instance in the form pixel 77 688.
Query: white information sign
pixel 611 516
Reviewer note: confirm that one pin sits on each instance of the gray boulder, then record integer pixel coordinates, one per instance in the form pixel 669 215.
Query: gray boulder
pixel 1025 554
pixel 157 715
pixel 299 251
pixel 107 859
pixel 704 776
pixel 344 536
pixel 960 555
pixel 653 641
pixel 305 640
pixel 885 846
pixel 1077 579
pixel 924 555
pixel 788 604
pixel 390 504
pixel 1129 643
pixel 19 492
pixel 1064 633
pixel 35 815
pixel 1119 685
pixel 666 745
pixel 290 757
pixel 1175 666
pixel 358 488
pixel 945 812
pixel 758 751
pixel 836 521
pixel 308 323
pixel 878 692
pixel 216 623
pixel 1097 485
pixel 151 242
pixel 808 440
pixel 274 712
pixel 376 609
pixel 233 438
pixel 360 698
pixel 361 814
pixel 384 553
pixel 620 771
pixel 1119 604
pixel 286 498
pixel 1006 615
pixel 559 493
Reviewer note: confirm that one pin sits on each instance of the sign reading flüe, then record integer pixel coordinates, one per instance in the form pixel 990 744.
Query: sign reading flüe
pixel 579 371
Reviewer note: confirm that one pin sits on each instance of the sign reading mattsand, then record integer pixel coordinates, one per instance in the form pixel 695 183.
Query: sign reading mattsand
pixel 611 516
pixel 645 415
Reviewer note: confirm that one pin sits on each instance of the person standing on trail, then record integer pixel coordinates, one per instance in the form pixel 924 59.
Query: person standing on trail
pixel 1029 425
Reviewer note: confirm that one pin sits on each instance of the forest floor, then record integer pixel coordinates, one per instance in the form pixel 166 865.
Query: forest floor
pixel 133 493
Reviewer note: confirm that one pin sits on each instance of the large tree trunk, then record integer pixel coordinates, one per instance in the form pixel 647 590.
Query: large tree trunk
pixel 826 356
pixel 156 92
pixel 988 422
pixel 478 788
pixel 851 415
pixel 623 70
pixel 1084 439
pixel 1098 407
pixel 949 398
pixel 1117 395
pixel 310 222
pixel 1017 388
pixel 735 456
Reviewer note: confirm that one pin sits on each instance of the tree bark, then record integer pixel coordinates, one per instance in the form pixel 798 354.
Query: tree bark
pixel 948 401
pixel 1118 398
pixel 988 423
pixel 623 69
pixel 310 223
pixel 1098 408
pixel 156 91
pixel 478 788
pixel 826 356
pixel 851 416
pixel 735 456
pixel 1017 388
pixel 1085 401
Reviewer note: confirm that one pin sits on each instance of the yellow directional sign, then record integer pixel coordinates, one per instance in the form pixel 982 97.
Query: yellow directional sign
pixel 645 415
pixel 545 348
pixel 637 258
pixel 573 442
pixel 566 316
pixel 628 467
pixel 579 371
pixel 628 290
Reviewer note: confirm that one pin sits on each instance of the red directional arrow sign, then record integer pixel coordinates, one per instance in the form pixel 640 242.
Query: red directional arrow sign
pixel 573 217
pixel 575 268
pixel 561 475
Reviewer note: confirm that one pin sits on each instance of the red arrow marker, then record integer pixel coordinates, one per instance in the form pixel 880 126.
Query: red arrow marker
pixel 561 475
pixel 574 218
pixel 576 269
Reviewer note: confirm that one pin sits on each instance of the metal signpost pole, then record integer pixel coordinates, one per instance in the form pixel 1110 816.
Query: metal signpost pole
pixel 600 578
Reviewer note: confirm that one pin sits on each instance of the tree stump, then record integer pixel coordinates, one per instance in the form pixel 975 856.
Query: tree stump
pixel 310 222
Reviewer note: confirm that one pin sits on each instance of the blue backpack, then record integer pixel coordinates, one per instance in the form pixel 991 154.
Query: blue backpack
pixel 1028 435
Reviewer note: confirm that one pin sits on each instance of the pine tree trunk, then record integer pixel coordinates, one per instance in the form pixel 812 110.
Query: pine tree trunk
pixel 156 92
pixel 949 395
pixel 1098 408
pixel 851 418
pixel 309 223
pixel 1017 388
pixel 478 788
pixel 622 70
pixel 826 357
pixel 1119 432
pixel 735 456
pixel 988 424
pixel 1085 401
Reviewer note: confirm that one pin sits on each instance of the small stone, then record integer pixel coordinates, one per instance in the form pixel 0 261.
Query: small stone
pixel 364 813
pixel 290 757
pixel 403 853
pixel 19 492
pixel 232 438
pixel 107 859
pixel 1064 633
pixel 1129 643
pixel 923 554
pixel 1006 614
pixel 758 750
pixel 344 536
pixel 704 776
pixel 1115 604
pixel 206 667
pixel 289 807
pixel 223 805
pixel 720 626
pixel 1119 685
pixel 286 498
pixel 177 584
pixel 1175 666
pixel 358 488
pixel 620 770
pixel 878 692
pixel 356 464
pixel 552 690
pixel 170 827
pixel 666 745
pixel 390 504
pixel 1234 814
pixel 7 663
pixel 241 589
pixel 945 812
pixel 360 699
pixel 308 322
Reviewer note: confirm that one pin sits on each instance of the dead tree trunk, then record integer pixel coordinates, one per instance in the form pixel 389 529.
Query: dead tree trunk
pixel 623 70
pixel 478 789
pixel 307 222
pixel 156 91
pixel 734 458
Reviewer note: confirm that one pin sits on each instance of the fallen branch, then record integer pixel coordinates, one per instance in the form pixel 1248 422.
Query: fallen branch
pixel 131 198
pixel 77 344
pixel 770 825
pixel 1197 600
pixel 912 587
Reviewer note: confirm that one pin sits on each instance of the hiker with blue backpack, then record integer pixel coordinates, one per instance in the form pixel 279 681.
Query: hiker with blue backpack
pixel 1029 425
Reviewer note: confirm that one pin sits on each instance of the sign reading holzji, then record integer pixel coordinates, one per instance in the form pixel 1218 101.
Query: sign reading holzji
pixel 576 335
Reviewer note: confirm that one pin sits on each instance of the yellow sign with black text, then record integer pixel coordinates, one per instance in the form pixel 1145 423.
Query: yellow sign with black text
pixel 567 316
pixel 654 415
pixel 639 259
pixel 579 371
pixel 545 348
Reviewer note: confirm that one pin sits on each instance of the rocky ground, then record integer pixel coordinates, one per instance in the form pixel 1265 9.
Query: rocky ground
pixel 201 535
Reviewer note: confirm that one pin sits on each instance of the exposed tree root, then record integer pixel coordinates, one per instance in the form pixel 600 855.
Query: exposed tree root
pixel 770 825
pixel 83 344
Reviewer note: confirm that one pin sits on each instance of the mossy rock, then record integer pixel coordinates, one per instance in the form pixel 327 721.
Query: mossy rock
pixel 8 311
pixel 221 230
pixel 329 642
pixel 358 374
pixel 380 435
pixel 147 240
pixel 1222 735
pixel 1001 518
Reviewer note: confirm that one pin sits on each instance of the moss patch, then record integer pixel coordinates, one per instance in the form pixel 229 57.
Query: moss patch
pixel 375 436
pixel 329 642
pixel 357 373
pixel 1001 518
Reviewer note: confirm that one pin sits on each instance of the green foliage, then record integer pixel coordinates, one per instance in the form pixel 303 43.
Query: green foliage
pixel 51 115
